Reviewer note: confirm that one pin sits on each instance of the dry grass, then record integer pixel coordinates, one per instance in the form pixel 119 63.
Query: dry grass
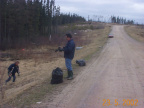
pixel 34 81
pixel 2 88
pixel 136 32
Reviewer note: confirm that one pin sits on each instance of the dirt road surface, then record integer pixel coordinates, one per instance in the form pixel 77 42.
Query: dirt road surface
pixel 118 73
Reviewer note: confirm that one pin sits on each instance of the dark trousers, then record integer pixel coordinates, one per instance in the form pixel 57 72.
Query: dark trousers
pixel 14 77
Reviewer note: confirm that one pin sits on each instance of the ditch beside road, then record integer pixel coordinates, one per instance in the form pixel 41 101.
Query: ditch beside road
pixel 117 74
pixel 33 85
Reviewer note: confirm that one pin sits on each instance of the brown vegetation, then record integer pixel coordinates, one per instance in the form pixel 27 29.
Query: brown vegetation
pixel 37 63
pixel 136 32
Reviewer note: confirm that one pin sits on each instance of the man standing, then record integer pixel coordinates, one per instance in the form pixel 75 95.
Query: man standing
pixel 69 51
pixel 13 68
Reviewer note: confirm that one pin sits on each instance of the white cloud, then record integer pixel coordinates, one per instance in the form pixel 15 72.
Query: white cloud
pixel 66 9
pixel 139 7
pixel 124 8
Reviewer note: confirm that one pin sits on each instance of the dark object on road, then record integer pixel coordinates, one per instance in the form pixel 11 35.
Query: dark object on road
pixel 57 76
pixel 59 49
pixel 110 36
pixel 81 62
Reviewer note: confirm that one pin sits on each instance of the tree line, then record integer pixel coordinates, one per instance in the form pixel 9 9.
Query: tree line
pixel 26 19
pixel 121 20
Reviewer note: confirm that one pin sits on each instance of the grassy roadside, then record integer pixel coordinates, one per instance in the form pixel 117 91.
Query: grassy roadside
pixel 136 32
pixel 37 93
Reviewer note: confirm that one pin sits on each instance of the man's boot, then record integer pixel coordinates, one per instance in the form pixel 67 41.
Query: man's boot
pixel 71 75
pixel 68 74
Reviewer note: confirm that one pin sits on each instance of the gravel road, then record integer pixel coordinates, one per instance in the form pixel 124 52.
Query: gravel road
pixel 113 80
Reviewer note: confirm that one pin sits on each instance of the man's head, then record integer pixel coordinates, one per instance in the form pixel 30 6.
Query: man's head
pixel 17 63
pixel 68 36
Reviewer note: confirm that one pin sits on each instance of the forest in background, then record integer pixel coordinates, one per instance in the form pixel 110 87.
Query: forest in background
pixel 22 21
pixel 27 22
pixel 121 20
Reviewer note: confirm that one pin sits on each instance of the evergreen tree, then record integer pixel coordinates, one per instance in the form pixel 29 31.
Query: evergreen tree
pixel 23 20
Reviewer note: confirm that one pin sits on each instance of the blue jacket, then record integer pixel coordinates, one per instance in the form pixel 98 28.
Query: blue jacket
pixel 69 49
pixel 13 69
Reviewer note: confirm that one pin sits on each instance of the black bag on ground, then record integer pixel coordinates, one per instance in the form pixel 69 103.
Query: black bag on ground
pixel 81 62
pixel 57 76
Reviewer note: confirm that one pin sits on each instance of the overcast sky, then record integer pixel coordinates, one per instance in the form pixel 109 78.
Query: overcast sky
pixel 130 9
